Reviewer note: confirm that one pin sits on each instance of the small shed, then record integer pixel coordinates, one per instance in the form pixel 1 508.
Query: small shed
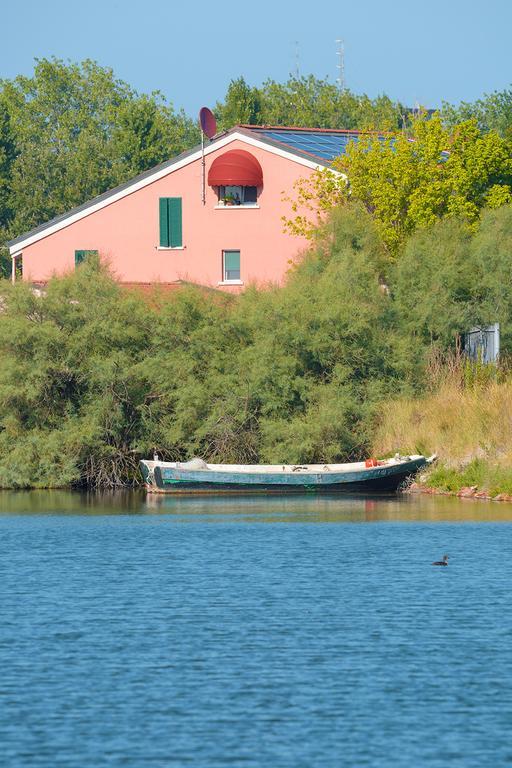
pixel 482 344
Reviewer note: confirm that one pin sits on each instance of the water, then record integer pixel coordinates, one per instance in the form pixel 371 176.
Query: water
pixel 280 633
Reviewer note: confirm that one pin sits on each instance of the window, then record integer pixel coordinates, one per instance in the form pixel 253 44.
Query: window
pixel 80 256
pixel 230 266
pixel 237 195
pixel 171 229
pixel 17 267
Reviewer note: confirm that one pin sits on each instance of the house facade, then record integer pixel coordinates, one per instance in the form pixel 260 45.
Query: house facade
pixel 212 218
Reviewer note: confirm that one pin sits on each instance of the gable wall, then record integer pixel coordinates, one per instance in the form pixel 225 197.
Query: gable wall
pixel 126 232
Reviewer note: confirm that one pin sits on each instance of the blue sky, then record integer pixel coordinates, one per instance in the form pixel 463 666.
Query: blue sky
pixel 424 52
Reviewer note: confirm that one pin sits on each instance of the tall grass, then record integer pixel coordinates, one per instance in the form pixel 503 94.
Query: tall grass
pixel 465 417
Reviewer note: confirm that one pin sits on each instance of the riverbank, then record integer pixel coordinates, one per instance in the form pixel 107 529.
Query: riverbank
pixel 315 371
pixel 468 423
pixel 465 492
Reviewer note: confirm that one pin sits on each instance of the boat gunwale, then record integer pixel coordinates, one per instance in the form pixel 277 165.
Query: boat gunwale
pixel 283 470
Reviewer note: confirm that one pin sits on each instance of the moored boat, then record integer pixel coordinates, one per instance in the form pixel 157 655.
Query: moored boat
pixel 196 476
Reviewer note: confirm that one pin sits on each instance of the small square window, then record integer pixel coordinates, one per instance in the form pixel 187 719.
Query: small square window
pixel 230 265
pixel 81 256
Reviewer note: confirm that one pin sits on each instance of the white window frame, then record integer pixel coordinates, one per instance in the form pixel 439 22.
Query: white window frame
pixel 231 281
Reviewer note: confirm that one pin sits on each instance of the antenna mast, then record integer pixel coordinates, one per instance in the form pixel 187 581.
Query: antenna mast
pixel 340 66
pixel 208 128
pixel 297 60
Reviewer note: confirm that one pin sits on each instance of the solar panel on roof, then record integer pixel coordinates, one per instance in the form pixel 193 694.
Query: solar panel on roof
pixel 323 145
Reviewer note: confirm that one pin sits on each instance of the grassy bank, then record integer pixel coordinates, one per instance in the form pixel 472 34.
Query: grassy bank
pixel 469 426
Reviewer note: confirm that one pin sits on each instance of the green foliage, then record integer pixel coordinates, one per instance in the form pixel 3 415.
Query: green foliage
pixel 491 254
pixel 7 157
pixel 70 132
pixel 434 284
pixel 447 280
pixel 241 106
pixel 493 112
pixel 485 475
pixel 5 263
pixel 293 374
pixel 407 183
pixel 284 375
pixel 410 181
pixel 316 103
pixel 323 348
pixel 450 479
pixel 67 381
pixel 307 102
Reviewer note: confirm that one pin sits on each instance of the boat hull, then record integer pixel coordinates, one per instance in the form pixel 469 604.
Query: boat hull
pixel 384 478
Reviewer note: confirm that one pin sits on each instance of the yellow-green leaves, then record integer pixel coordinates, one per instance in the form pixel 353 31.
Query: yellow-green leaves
pixel 409 181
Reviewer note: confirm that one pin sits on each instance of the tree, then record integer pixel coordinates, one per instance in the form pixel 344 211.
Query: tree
pixel 493 112
pixel 146 131
pixel 242 105
pixel 491 260
pixel 306 102
pixel 410 181
pixel 321 353
pixel 7 157
pixel 78 131
pixel 434 284
pixel 316 103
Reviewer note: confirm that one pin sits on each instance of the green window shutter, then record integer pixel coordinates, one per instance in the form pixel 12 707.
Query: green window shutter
pixel 164 222
pixel 171 228
pixel 175 222
pixel 80 256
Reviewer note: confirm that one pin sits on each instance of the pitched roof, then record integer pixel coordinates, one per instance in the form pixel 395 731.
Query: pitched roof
pixel 311 147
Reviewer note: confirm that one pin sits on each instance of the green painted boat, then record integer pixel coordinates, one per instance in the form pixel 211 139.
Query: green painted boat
pixel 196 476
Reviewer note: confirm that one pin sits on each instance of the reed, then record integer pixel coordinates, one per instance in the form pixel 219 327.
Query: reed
pixel 465 417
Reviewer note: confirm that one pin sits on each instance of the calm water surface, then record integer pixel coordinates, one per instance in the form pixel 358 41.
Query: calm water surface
pixel 280 633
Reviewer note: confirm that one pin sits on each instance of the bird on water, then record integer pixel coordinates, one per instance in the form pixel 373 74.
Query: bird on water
pixel 444 561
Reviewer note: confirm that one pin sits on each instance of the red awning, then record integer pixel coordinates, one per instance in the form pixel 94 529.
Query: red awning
pixel 235 168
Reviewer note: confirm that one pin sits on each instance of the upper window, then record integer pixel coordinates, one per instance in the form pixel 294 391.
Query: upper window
pixel 237 195
pixel 238 176
pixel 171 228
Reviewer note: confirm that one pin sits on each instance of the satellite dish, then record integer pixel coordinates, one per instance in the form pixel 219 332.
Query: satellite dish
pixel 208 122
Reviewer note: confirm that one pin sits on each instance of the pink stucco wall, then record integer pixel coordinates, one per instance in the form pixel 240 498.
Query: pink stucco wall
pixel 126 232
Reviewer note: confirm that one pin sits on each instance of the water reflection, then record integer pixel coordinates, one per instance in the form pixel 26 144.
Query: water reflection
pixel 271 509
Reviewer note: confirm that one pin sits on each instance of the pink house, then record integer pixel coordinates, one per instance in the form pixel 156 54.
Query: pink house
pixel 215 221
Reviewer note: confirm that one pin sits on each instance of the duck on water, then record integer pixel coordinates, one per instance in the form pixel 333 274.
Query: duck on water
pixel 444 561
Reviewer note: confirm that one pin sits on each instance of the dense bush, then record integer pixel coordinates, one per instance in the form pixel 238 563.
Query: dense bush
pixel 448 280
pixel 94 376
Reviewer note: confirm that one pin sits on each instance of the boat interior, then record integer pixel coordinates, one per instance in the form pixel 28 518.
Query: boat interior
pixel 197 464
